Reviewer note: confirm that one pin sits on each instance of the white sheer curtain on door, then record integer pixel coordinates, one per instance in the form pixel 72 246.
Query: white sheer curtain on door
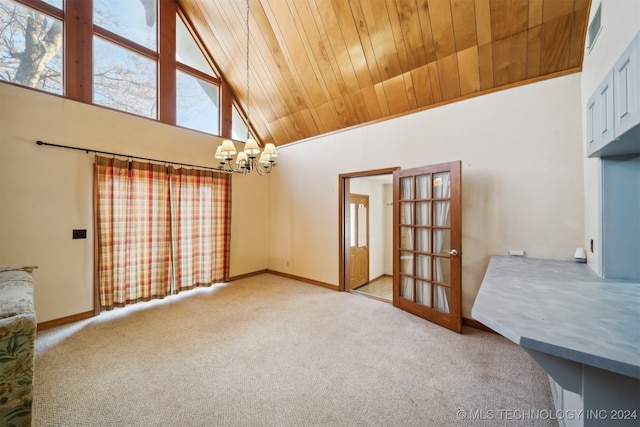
pixel 441 190
pixel 423 239
pixel 406 238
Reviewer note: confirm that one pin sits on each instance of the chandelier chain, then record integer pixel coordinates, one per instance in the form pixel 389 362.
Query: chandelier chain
pixel 251 158
pixel 248 84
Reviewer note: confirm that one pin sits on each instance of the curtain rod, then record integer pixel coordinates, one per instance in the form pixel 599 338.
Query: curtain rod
pixel 91 150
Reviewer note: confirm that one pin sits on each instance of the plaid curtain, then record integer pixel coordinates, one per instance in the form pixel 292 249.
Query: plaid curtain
pixel 159 230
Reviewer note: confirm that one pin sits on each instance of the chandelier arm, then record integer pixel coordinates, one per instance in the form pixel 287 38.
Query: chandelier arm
pixel 227 167
pixel 252 164
pixel 263 170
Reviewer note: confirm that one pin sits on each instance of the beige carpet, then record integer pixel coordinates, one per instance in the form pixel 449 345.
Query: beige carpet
pixel 268 351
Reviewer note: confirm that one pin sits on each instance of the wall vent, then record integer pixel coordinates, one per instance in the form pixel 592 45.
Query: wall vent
pixel 594 27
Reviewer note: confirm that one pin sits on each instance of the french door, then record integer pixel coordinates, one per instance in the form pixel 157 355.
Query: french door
pixel 427 277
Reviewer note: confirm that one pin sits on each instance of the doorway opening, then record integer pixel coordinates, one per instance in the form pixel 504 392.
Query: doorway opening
pixel 366 224
pixel 426 242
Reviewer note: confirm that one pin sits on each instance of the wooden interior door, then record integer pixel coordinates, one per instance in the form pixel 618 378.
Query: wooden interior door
pixel 358 240
pixel 427 278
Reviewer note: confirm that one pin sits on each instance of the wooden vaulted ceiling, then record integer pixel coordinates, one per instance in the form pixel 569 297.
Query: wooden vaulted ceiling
pixel 317 66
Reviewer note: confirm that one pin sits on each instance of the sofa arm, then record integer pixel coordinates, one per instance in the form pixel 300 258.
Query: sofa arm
pixel 17 343
pixel 17 346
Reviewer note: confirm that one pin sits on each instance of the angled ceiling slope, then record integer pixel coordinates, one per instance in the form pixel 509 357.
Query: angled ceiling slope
pixel 317 66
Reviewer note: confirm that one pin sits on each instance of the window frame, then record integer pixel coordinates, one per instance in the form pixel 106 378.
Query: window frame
pixel 78 33
pixel 215 80
pixel 43 7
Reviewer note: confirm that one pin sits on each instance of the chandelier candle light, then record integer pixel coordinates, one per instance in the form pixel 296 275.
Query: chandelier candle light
pixel 247 160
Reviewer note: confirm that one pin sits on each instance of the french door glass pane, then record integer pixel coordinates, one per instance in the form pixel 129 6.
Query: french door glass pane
pixel 423 239
pixel 406 213
pixel 406 262
pixel 124 80
pixel 406 188
pixel 423 187
pixel 441 214
pixel 133 20
pixel 442 240
pixel 442 270
pixel 441 297
pixel 423 293
pixel 423 266
pixel 441 189
pixel 423 213
pixel 406 238
pixel 406 287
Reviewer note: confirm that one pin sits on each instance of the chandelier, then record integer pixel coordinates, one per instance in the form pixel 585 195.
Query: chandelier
pixel 251 158
pixel 247 160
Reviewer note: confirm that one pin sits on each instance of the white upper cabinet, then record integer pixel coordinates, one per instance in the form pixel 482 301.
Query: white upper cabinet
pixel 600 115
pixel 626 81
pixel 613 111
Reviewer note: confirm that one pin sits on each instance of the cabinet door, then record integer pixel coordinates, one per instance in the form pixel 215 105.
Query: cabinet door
pixel 600 116
pixel 592 122
pixel 626 78
pixel 604 112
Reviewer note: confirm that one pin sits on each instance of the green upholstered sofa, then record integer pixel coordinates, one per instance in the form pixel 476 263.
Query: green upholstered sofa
pixel 17 341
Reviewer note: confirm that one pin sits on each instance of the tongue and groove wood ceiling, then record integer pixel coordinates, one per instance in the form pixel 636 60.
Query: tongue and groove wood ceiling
pixel 318 66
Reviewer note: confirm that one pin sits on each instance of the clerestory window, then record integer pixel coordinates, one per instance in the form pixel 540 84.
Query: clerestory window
pixel 239 127
pixel 125 58
pixel 110 54
pixel 197 90
pixel 31 46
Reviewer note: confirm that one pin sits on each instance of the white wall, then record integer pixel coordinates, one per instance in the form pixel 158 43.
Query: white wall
pixel 46 192
pixel 620 23
pixel 522 168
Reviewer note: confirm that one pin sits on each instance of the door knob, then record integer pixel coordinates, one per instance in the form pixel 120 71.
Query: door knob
pixel 452 252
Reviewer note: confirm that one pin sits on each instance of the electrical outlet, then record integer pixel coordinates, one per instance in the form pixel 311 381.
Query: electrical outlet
pixel 79 234
pixel 516 252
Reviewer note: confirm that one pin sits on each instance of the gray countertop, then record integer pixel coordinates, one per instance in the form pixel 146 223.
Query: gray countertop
pixel 564 309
